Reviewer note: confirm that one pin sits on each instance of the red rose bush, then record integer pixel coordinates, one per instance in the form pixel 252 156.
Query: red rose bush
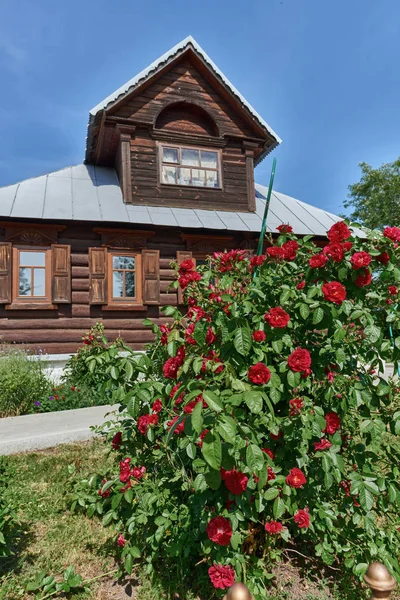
pixel 261 418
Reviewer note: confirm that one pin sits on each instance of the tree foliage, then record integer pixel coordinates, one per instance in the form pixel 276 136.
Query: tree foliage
pixel 375 199
pixel 261 419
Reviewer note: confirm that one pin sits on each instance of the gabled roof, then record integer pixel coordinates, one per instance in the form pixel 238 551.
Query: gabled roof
pixel 92 193
pixel 161 63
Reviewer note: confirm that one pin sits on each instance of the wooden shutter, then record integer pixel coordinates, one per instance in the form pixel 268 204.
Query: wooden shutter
pixel 97 275
pixel 151 276
pixel 182 255
pixel 61 273
pixel 5 272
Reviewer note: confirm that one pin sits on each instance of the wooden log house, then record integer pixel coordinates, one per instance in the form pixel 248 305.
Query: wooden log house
pixel 168 175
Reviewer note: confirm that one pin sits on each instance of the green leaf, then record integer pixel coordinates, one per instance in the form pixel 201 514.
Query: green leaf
pixel 227 429
pixel 304 311
pixel 242 341
pixel 212 450
pixel 271 493
pixel 277 346
pixel 135 552
pixel 213 479
pixel 372 333
pixel 254 458
pixel 366 498
pixel 318 315
pixel 293 379
pixel 254 401
pixel 199 333
pixel 191 451
pixel 197 417
pixel 339 334
pixel 278 508
pixel 213 401
pixel 285 295
pixel 128 563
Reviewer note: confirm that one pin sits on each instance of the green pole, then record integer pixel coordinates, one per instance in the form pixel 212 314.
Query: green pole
pixel 264 222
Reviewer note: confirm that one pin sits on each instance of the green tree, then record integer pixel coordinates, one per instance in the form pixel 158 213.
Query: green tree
pixel 375 199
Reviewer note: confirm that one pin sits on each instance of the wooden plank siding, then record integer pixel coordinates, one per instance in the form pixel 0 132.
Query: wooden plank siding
pixel 60 330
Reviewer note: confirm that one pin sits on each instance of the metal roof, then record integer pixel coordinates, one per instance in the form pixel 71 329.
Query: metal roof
pixel 92 193
pixel 160 63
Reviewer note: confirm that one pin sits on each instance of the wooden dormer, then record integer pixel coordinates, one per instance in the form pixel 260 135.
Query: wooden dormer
pixel 179 135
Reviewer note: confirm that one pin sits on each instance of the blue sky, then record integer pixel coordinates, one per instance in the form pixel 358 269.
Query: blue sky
pixel 324 74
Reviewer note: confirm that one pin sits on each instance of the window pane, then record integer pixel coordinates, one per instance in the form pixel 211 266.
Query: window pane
pixel 190 157
pixel 198 177
pixel 209 159
pixel 25 282
pixel 168 174
pixel 184 176
pixel 118 285
pixel 130 285
pixel 212 178
pixel 32 259
pixel 39 276
pixel 170 155
pixel 123 262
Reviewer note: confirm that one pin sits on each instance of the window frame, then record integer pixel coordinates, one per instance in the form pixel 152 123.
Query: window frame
pixel 30 300
pixel 125 302
pixel 180 147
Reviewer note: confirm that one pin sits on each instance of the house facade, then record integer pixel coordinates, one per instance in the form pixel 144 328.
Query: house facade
pixel 168 174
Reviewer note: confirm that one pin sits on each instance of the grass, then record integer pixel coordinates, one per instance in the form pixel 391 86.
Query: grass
pixel 51 538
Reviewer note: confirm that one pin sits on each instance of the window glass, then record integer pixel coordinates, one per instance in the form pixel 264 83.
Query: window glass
pixel 170 155
pixel 130 284
pixel 24 282
pixel 168 174
pixel 212 178
pixel 118 284
pixel 184 176
pixel 209 159
pixel 190 157
pixel 198 177
pixel 39 282
pixel 123 262
pixel 32 259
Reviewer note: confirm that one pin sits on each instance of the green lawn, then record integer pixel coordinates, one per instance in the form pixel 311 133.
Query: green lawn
pixel 51 538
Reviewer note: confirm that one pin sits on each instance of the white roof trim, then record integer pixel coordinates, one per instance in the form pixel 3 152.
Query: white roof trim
pixel 160 63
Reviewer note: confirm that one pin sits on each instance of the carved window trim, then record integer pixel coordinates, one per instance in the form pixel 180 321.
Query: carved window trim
pixel 28 302
pixel 125 302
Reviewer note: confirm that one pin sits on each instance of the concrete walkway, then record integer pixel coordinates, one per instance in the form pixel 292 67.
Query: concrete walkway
pixel 35 432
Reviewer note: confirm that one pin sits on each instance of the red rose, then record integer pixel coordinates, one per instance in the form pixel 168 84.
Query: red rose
pixel 323 444
pixel 257 261
pixel 275 252
pixel 221 576
pixel 138 472
pixel 332 423
pixel 393 233
pixel 275 436
pixel 295 406
pixel 334 292
pixel 364 279
pixel 269 452
pixel 335 251
pixel 392 289
pixel 210 336
pixel 273 527
pixel 289 250
pixel 271 474
pixel 117 440
pixel 360 259
pixel 347 246
pixel 179 428
pixel 185 266
pixel 259 374
pixel 235 481
pixel 299 360
pixel 121 541
pixel 124 470
pixel 152 419
pixel 170 368
pixel 300 285
pixel 296 478
pixel 157 406
pixel 189 408
pixel 302 518
pixel 339 232
pixel 317 261
pixel 383 258
pixel 285 228
pixel 187 278
pixel 219 530
pixel 189 334
pixel 143 424
pixel 106 493
pixel 202 436
pixel 72 389
pixel 277 317
pixel 259 336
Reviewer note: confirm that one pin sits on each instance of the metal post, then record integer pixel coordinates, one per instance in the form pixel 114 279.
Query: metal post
pixel 380 581
pixel 264 221
pixel 238 592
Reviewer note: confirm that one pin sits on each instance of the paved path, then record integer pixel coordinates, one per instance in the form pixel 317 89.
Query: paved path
pixel 34 432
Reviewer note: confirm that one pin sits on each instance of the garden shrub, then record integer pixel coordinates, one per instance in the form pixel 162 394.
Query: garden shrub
pixel 69 397
pixel 261 420
pixel 22 382
pixel 7 511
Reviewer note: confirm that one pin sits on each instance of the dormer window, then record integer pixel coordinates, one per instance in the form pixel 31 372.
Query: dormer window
pixel 185 165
